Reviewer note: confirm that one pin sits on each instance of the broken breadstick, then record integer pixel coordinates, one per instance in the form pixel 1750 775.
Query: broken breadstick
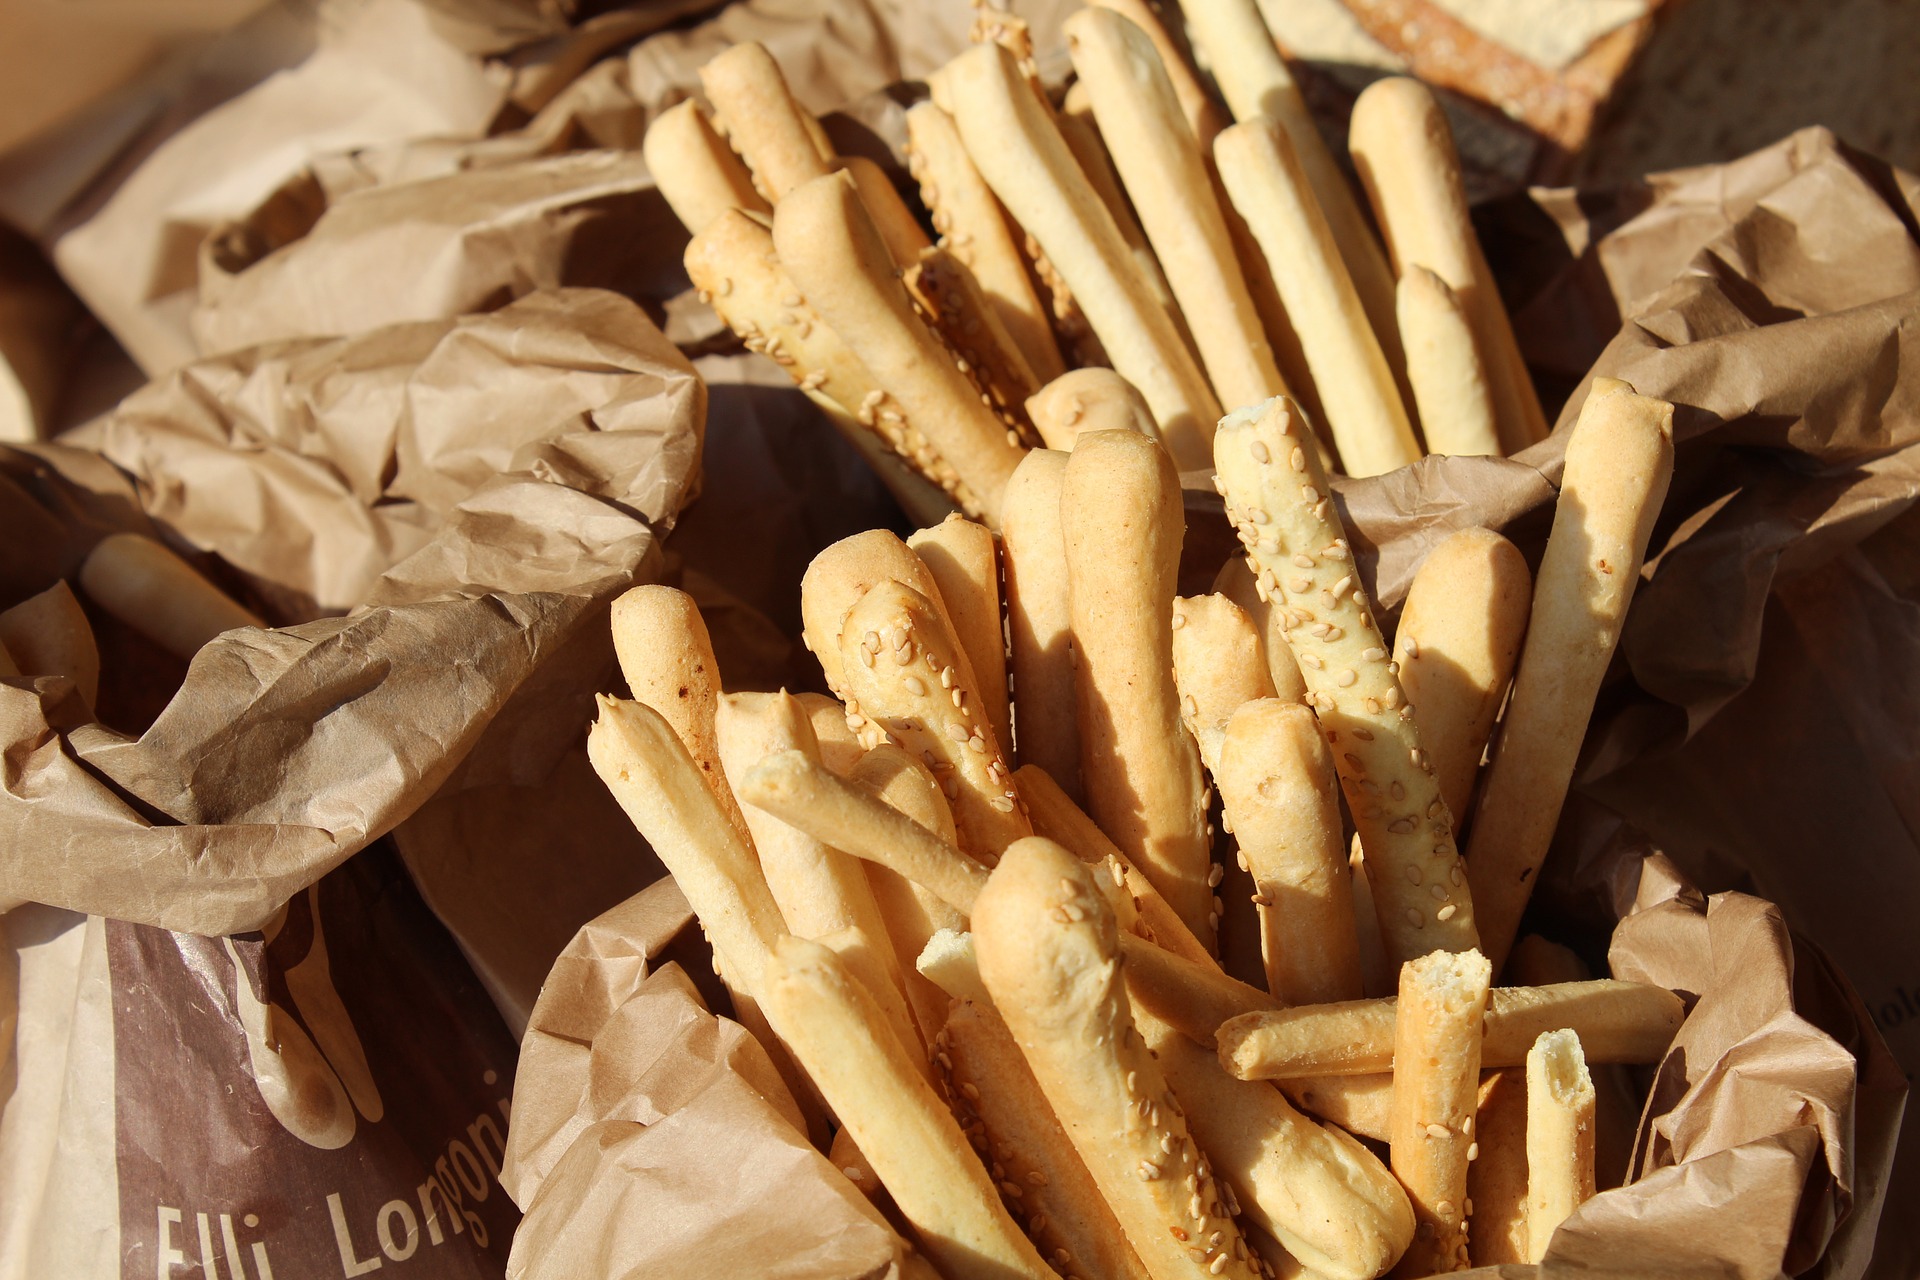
pixel 1120 512
pixel 1619 462
pixel 1403 151
pixel 828 245
pixel 1084 400
pixel 158 594
pixel 1236 582
pixel 1357 391
pixel 1021 154
pixel 1217 668
pixel 49 635
pixel 1458 639
pixel 974 228
pixel 1281 796
pixel 1048 951
pixel 1617 1022
pixel 1444 366
pixel 960 555
pixel 1560 1174
pixel 1166 179
pixel 694 168
pixel 1282 507
pixel 905 1131
pixel 1040 618
pixel 1443 999
pixel 761 119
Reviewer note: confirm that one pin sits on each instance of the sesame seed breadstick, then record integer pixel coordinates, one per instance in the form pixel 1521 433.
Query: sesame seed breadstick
pixel 1619 462
pixel 694 168
pixel 900 662
pixel 761 119
pixel 1282 506
pixel 1617 1022
pixel 1458 639
pixel 1235 581
pixel 1217 668
pixel 1021 154
pixel 154 591
pixel 1357 390
pixel 1560 1101
pixel 828 245
pixel 951 302
pixel 1403 151
pixel 1281 794
pixel 975 229
pixel 1040 618
pixel 1048 951
pixel 1449 378
pixel 960 555
pixel 1443 1000
pixel 901 1125
pixel 819 890
pixel 1497 1176
pixel 840 574
pixel 1120 511
pixel 1084 400
pixel 1167 182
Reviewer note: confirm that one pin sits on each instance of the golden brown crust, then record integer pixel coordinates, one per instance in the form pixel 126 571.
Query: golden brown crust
pixel 965 564
pixel 696 171
pixel 158 594
pixel 1560 1130
pixel 1449 378
pixel 1040 618
pixel 755 110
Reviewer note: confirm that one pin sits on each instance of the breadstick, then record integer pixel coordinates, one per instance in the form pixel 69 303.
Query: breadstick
pixel 899 660
pixel 840 750
pixel 1560 1100
pixel 1085 400
pixel 829 247
pixel 1536 962
pixel 850 1160
pixel 1256 82
pixel 900 1123
pixel 761 119
pixel 1167 182
pixel 694 168
pixel 1262 174
pixel 1121 515
pixel 974 228
pixel 1362 1105
pixel 733 264
pixel 1217 668
pixel 1497 1176
pixel 1443 1000
pixel 960 555
pixel 1022 156
pixel 949 299
pixel 1039 617
pixel 1048 951
pixel 158 594
pixel 1616 1021
pixel 819 890
pixel 1280 791
pixel 899 230
pixel 1013 1128
pixel 947 961
pixel 1203 116
pixel 49 635
pixel 1235 581
pixel 1459 636
pixel 1280 502
pixel 1619 461
pixel 842 573
pixel 1403 151
pixel 1449 378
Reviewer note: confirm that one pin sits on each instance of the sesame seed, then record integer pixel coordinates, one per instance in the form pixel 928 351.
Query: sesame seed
pixel 1442 1207
pixel 903 655
pixel 1340 588
pixel 1446 912
pixel 1346 677
pixel 1218 1264
pixel 1258 515
pixel 1439 891
pixel 1214 873
pixel 1298 459
pixel 1438 1131
pixel 1365 735
pixel 1415 919
pixel 958 731
pixel 1312 660
pixel 1401 826
pixel 1035 1178
pixel 973 1094
pixel 1413 874
pixel 1001 804
pixel 1179 621
pixel 1354 762
pixel 1299 585
pixel 1148 1171
pixel 916 686
pixel 866 658
pixel 1260 451
pixel 1013 1189
pixel 1473 1153
pixel 1375 654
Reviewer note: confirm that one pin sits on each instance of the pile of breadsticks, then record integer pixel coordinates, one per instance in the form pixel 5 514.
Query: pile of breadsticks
pixel 1127 231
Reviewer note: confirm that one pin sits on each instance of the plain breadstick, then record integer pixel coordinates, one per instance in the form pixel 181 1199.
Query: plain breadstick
pixel 1560 1099
pixel 899 230
pixel 1619 461
pixel 1028 1152
pixel 1048 952
pixel 1281 796
pixel 840 749
pixel 1357 391
pixel 1497 1176
pixel 1443 364
pixel 1040 619
pixel 902 1127
pixel 1121 515
pixel 1085 400
pixel 158 594
pixel 1282 506
pixel 1204 117
pixel 1236 582
pixel 694 168
pixel 761 120
pixel 829 246
pixel 1458 639
pixel 1403 151
pixel 1616 1021
pixel 1167 182
pixel 1217 668
pixel 1021 154
pixel 1443 997
pixel 842 573
pixel 975 229
pixel 902 670
pixel 1536 962
pixel 960 555
pixel 49 635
